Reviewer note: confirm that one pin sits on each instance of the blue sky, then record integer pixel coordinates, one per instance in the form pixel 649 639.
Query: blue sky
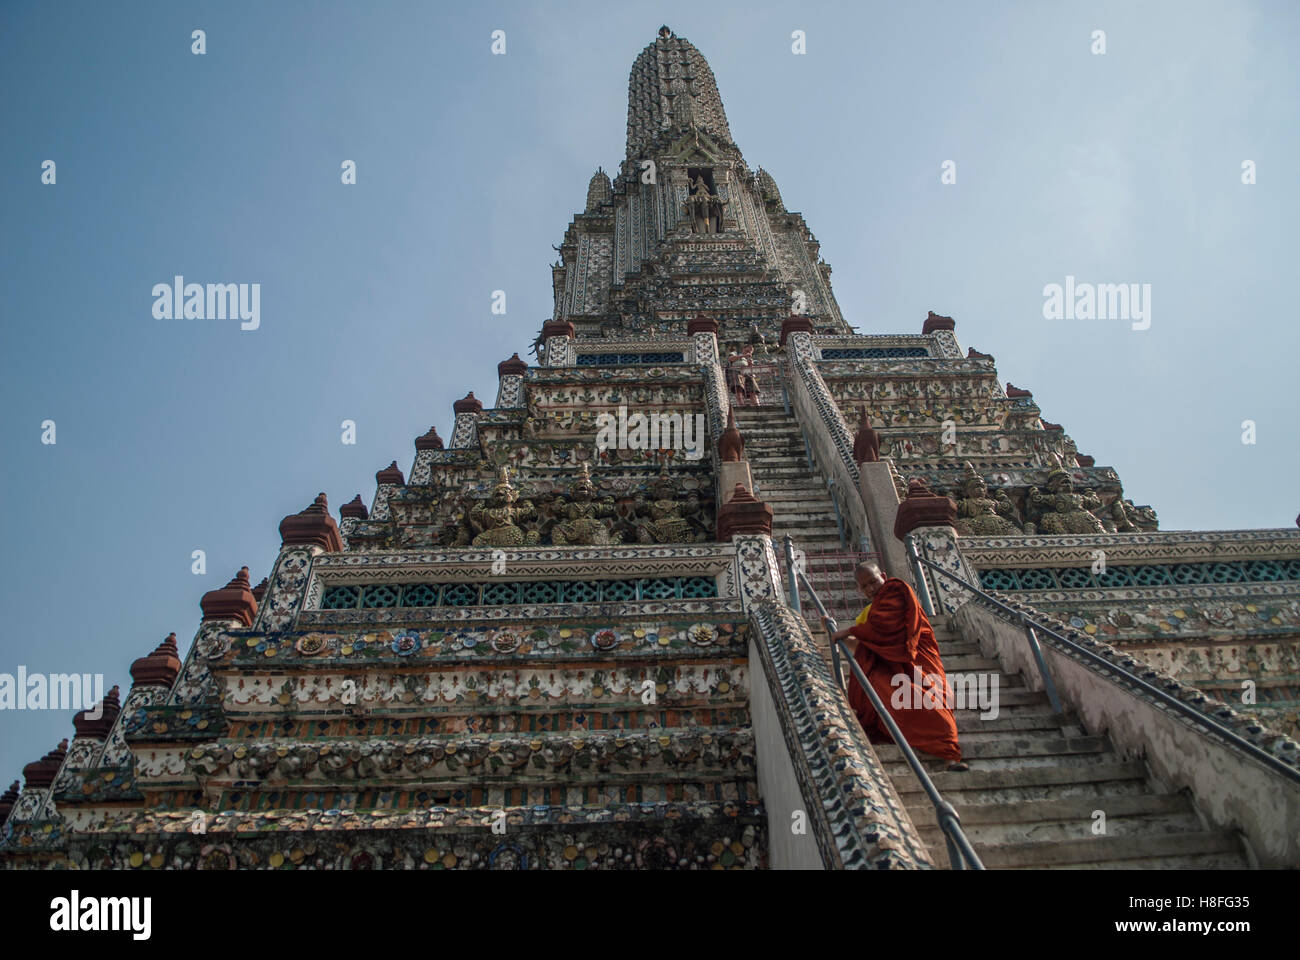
pixel 176 435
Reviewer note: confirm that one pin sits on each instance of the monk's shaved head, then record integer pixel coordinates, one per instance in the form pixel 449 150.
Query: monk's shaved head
pixel 869 570
pixel 869 578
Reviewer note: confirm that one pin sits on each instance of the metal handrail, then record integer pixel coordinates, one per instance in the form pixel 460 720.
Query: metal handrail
pixel 1233 738
pixel 961 854
pixel 1049 685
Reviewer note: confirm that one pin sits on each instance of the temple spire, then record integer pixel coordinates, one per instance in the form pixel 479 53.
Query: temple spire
pixel 671 86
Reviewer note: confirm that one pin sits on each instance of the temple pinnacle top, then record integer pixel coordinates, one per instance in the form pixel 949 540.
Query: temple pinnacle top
pixel 671 86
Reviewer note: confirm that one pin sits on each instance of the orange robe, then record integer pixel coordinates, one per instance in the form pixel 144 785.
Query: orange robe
pixel 897 639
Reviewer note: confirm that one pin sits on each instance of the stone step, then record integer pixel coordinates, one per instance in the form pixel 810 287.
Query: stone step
pixel 957 648
pixel 1050 833
pixel 810 530
pixel 769 433
pixel 1025 719
pixel 801 479
pixel 801 491
pixel 1071 809
pixel 798 471
pixel 1074 754
pixel 1010 699
pixel 794 516
pixel 826 562
pixel 977 735
pixel 1068 819
pixel 785 483
pixel 798 506
pixel 832 570
pixel 811 539
pixel 763 458
pixel 796 494
pixel 807 476
pixel 973 663
pixel 797 516
pixel 822 524
pixel 1119 850
pixel 1079 763
pixel 813 501
pixel 958 674
pixel 1212 861
pixel 1030 783
pixel 1009 747
pixel 774 433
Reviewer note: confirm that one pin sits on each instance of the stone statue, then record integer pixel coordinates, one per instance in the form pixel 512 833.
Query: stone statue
pixel 1121 516
pixel 495 519
pixel 698 517
pixel 664 519
pixel 1061 510
pixel 704 207
pixel 454 532
pixel 1111 512
pixel 978 514
pixel 583 518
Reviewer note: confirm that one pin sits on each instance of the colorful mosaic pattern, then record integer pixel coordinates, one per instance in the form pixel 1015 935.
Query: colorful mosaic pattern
pixel 1139 575
pixel 627 359
pixel 370 596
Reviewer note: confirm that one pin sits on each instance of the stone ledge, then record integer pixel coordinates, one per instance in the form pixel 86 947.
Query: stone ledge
pixel 697 836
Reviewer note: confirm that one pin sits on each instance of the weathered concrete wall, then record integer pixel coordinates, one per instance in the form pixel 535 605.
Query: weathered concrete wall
pixel 880 497
pixel 1231 789
pixel 777 782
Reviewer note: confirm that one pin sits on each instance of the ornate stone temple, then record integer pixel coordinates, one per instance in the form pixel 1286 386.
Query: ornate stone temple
pixel 539 650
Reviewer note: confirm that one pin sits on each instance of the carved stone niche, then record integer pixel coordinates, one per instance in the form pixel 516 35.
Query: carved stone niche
pixel 704 206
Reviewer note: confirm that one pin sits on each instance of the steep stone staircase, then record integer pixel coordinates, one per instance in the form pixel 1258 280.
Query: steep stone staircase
pixel 1036 777
pixel 1036 780
pixel 801 505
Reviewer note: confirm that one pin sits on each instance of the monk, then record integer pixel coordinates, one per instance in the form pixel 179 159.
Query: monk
pixel 893 642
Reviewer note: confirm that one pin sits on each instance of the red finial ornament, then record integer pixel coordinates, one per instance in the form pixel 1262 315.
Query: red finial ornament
pixel 234 601
pixel 160 668
pixel 731 445
pixel 354 509
pixel 314 527
pixel 429 441
pixel 390 474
